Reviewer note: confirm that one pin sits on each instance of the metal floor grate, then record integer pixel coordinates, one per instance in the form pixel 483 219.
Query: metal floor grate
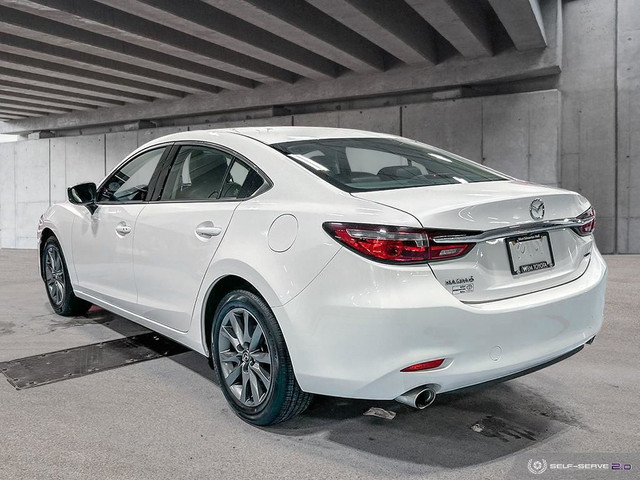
pixel 76 362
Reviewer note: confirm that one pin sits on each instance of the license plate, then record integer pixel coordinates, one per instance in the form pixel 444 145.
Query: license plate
pixel 530 253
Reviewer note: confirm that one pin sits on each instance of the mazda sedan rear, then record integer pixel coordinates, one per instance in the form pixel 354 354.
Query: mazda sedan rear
pixel 330 261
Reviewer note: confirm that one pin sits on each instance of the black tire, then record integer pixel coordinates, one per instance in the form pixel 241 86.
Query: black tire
pixel 62 300
pixel 283 399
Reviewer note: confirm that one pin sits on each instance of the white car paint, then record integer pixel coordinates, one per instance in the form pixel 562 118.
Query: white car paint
pixel 350 323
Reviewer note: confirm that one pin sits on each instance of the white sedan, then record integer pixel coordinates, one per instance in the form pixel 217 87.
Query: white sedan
pixel 330 261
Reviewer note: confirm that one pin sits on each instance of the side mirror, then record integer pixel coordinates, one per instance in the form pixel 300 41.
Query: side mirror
pixel 84 194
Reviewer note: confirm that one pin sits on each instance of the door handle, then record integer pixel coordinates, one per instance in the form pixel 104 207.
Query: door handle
pixel 208 230
pixel 123 229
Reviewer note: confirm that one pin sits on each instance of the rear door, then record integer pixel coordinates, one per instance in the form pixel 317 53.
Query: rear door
pixel 178 233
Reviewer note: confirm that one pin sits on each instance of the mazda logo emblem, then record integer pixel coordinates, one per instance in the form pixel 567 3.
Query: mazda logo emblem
pixel 536 209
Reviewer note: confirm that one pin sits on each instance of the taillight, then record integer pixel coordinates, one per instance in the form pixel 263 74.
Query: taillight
pixel 393 244
pixel 589 222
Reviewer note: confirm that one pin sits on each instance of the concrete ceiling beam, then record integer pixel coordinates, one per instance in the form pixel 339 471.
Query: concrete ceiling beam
pixel 72 86
pixel 398 30
pixel 43 101
pixel 46 51
pixel 309 27
pixel 523 21
pixel 33 65
pixel 30 106
pixel 102 19
pixel 8 116
pixel 22 113
pixel 45 30
pixel 56 93
pixel 216 26
pixel 461 22
pixel 53 96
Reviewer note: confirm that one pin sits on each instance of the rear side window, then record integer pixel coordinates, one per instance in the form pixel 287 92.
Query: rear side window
pixel 361 164
pixel 197 173
pixel 204 173
pixel 241 181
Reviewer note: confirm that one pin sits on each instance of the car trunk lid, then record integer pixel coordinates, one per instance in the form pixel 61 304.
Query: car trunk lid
pixel 515 251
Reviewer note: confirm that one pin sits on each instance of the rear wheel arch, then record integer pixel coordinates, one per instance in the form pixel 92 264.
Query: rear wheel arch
pixel 216 293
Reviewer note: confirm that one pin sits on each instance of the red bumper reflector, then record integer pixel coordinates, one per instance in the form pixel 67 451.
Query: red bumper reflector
pixel 424 366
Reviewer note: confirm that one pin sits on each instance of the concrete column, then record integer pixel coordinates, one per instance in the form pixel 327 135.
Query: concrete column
pixel 588 90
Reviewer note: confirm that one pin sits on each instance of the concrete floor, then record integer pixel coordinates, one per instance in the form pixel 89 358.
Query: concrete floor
pixel 167 419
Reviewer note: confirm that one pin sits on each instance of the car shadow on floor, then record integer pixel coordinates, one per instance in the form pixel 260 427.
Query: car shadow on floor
pixel 457 430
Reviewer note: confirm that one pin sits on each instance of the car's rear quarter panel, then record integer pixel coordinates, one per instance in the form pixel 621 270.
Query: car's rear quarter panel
pixel 359 323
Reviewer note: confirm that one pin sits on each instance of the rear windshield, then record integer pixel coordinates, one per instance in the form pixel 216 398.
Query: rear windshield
pixel 362 164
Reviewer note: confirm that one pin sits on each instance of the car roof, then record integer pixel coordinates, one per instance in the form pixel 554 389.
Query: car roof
pixel 273 135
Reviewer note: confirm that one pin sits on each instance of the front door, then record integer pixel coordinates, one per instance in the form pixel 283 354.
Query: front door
pixel 103 241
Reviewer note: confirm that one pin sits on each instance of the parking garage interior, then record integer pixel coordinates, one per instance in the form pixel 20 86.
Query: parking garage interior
pixel 547 91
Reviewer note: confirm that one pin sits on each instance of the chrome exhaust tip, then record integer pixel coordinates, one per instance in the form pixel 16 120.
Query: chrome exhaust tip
pixel 419 397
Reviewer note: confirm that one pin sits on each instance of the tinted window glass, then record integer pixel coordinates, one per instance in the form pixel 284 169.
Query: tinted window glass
pixel 131 182
pixel 241 182
pixel 355 164
pixel 196 174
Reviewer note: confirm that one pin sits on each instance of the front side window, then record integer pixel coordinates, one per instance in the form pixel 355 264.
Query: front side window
pixel 362 164
pixel 131 182
pixel 204 173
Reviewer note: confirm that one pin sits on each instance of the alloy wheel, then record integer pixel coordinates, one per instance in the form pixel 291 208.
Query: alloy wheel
pixel 245 357
pixel 54 275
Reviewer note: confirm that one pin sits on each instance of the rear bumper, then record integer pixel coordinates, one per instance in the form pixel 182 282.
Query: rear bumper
pixel 353 329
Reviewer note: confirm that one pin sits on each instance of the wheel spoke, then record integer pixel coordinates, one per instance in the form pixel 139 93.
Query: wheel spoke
pixel 48 268
pixel 60 286
pixel 233 375
pixel 255 390
pixel 255 338
pixel 245 316
pixel 237 329
pixel 52 260
pixel 229 356
pixel 229 335
pixel 245 387
pixel 262 357
pixel 262 375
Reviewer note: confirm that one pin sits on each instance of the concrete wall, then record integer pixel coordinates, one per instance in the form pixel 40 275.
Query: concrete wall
pixel 584 136
pixel 628 166
pixel 501 131
pixel 517 134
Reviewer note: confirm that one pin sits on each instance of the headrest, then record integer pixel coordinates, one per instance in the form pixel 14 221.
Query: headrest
pixel 399 172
